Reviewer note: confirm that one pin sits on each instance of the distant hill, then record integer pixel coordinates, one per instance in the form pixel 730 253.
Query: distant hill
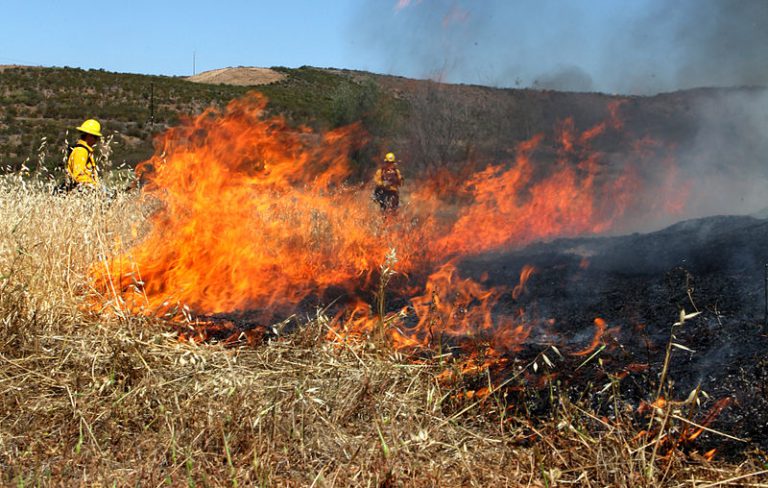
pixel 241 76
pixel 46 102
pixel 38 103
pixel 429 124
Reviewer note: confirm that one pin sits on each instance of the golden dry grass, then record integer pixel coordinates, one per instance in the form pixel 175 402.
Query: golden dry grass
pixel 242 76
pixel 92 400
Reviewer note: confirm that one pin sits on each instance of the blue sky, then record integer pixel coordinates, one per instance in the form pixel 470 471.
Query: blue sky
pixel 626 46
pixel 160 36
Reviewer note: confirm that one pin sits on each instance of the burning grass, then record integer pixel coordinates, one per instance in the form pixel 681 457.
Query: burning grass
pixel 119 400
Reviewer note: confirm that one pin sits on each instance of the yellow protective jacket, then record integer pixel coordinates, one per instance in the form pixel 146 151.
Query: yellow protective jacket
pixel 81 166
pixel 388 178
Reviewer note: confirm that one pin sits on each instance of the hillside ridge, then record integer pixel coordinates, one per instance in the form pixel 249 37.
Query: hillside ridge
pixel 431 124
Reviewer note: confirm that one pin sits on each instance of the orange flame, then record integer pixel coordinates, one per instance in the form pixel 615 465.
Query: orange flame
pixel 252 214
pixel 600 326
pixel 525 275
pixel 512 206
pixel 244 201
pixel 713 413
pixel 453 309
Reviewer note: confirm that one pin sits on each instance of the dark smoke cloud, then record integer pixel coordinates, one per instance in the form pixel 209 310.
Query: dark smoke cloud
pixel 567 78
pixel 721 165
pixel 638 47
pixel 693 43
pixel 629 47
pixel 725 43
pixel 727 161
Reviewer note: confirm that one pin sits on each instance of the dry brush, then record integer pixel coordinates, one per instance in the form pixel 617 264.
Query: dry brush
pixel 90 399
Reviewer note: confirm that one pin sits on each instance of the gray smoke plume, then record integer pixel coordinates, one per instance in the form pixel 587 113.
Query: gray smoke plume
pixel 716 147
pixel 727 161
pixel 566 78
pixel 641 47
pixel 638 48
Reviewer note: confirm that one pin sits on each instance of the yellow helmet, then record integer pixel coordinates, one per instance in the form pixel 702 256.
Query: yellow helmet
pixel 91 127
pixel 390 157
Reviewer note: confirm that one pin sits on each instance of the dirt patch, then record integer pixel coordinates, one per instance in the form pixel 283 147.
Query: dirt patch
pixel 239 76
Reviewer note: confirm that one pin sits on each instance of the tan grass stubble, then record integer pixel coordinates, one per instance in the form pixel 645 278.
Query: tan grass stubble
pixel 86 399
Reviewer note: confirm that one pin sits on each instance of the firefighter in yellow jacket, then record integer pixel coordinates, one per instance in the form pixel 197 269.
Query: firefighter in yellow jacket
pixel 81 165
pixel 388 181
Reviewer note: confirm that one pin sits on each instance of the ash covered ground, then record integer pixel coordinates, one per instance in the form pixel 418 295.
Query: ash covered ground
pixel 639 283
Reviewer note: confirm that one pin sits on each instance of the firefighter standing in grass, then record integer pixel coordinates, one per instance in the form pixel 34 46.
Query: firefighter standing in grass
pixel 388 181
pixel 81 165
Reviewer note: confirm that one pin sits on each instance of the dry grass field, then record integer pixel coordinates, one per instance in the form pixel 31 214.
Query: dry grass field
pixel 88 398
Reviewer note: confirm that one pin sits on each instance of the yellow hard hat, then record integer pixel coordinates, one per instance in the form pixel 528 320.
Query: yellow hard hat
pixel 92 127
pixel 390 157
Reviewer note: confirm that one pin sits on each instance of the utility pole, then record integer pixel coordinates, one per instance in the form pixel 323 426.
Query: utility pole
pixel 194 68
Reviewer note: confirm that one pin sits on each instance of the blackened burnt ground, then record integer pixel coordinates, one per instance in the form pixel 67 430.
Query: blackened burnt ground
pixel 640 283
